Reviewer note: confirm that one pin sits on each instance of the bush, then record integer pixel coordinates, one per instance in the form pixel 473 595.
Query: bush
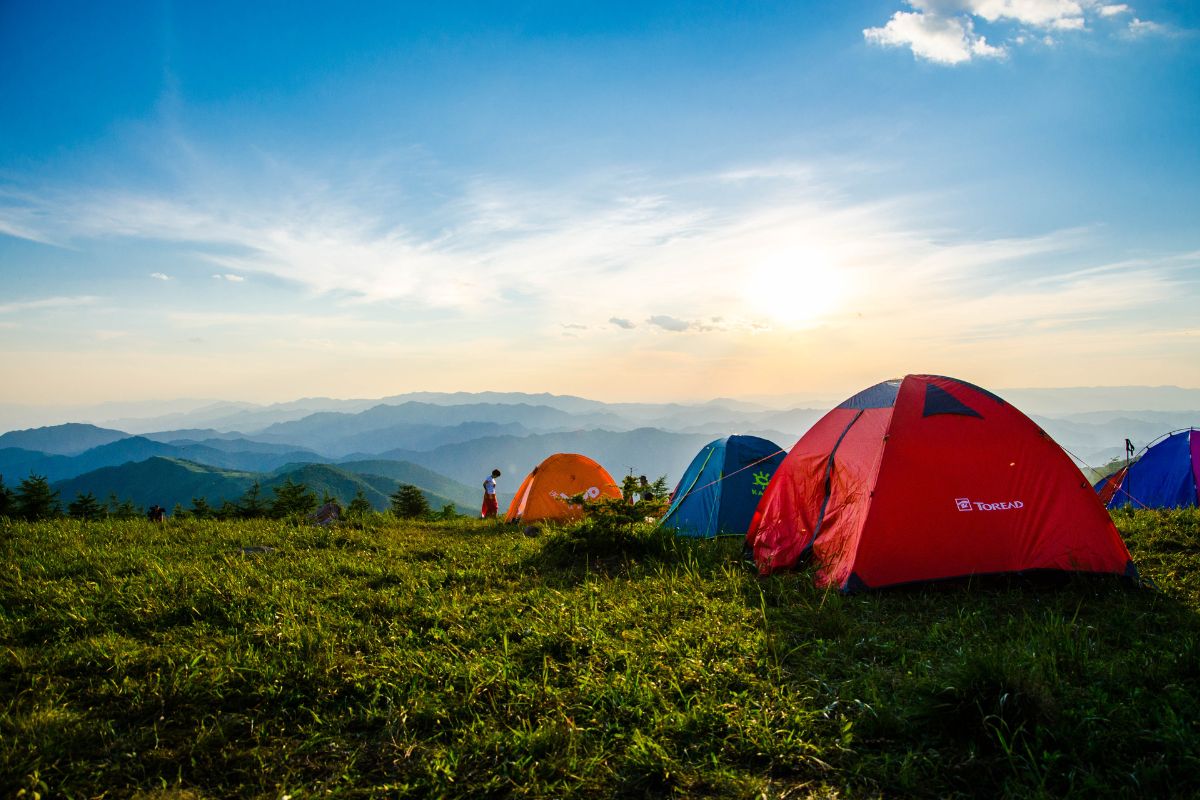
pixel 611 529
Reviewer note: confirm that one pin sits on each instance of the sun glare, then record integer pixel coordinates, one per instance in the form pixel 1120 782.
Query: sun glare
pixel 796 287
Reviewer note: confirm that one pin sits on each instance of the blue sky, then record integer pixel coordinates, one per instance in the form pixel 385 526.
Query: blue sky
pixel 625 201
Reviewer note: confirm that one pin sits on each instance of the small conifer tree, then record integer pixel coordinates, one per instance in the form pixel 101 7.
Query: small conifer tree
pixel 127 510
pixel 292 499
pixel 229 510
pixel 201 509
pixel 408 502
pixel 359 507
pixel 85 506
pixel 251 505
pixel 6 499
pixel 35 499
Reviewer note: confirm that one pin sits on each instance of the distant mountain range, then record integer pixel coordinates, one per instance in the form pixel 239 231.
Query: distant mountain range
pixel 446 443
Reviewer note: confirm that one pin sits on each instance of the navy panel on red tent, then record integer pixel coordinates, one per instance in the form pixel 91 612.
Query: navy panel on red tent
pixel 939 401
pixel 881 395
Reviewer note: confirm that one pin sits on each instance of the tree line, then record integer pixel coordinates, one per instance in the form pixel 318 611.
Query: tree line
pixel 34 499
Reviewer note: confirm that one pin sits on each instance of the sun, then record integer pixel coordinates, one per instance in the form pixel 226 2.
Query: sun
pixel 796 287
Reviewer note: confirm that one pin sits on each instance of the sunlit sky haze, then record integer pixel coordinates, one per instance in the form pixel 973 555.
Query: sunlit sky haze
pixel 626 201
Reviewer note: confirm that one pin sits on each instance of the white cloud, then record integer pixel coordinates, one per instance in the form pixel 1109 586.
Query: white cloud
pixel 160 276
pixel 1057 14
pixel 228 276
pixel 1141 27
pixel 668 323
pixel 943 31
pixel 945 40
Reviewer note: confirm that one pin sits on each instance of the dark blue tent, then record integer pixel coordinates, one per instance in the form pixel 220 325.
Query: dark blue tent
pixel 721 487
pixel 1165 476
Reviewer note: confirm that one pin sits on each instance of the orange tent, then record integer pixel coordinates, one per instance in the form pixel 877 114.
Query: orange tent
pixel 543 493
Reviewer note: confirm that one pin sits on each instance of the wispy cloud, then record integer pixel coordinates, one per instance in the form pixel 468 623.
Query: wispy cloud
pixel 1141 27
pixel 784 252
pixel 944 31
pixel 162 276
pixel 47 303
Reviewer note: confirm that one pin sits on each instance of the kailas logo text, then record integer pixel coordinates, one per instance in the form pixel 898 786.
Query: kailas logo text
pixel 965 504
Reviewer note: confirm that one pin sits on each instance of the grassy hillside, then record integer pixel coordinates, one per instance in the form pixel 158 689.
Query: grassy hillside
pixel 342 484
pixel 468 660
pixel 169 481
pixel 162 481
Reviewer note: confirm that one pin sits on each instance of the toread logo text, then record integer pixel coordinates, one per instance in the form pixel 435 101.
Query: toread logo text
pixel 966 504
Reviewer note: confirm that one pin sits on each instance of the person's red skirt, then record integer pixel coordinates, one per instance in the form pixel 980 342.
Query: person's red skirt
pixel 490 507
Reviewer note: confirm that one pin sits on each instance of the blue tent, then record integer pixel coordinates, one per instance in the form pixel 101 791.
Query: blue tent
pixel 721 487
pixel 1166 476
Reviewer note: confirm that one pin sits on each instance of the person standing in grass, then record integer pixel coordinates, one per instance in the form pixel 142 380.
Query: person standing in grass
pixel 490 506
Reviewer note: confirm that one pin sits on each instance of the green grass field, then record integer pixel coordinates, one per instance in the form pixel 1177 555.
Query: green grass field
pixel 469 660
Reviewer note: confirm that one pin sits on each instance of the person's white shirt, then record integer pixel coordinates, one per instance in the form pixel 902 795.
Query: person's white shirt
pixel 489 485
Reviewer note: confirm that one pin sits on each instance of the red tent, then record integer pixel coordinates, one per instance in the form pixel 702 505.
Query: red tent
pixel 927 478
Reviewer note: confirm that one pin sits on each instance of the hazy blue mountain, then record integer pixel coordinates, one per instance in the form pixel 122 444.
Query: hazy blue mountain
pixel 16 465
pixel 20 463
pixel 247 447
pixel 192 435
pixel 328 431
pixel 561 402
pixel 645 451
pixel 70 439
pixel 1082 399
pixel 460 494
pixel 207 415
pixel 1166 420
pixel 169 481
pixel 418 437
pixel 162 481
pixel 133 448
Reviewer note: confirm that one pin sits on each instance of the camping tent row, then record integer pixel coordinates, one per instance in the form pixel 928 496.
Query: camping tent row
pixel 717 495
pixel 919 479
pixel 1166 475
